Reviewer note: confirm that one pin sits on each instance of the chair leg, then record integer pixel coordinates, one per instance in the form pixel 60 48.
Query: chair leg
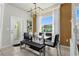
pixel 25 45
pixel 40 52
pixel 20 46
pixel 57 51
pixel 44 51
pixel 60 50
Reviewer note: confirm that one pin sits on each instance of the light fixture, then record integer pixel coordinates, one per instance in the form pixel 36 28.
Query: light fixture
pixel 36 10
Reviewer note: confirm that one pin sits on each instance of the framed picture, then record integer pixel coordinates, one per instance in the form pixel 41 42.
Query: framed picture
pixel 29 26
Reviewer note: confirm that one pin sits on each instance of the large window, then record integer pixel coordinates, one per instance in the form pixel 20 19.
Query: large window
pixel 47 24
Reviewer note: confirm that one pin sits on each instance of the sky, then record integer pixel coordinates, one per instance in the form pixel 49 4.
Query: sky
pixel 77 15
pixel 46 20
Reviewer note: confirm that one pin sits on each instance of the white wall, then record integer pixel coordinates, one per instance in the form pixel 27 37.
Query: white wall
pixel 8 12
pixel 1 20
pixel 73 42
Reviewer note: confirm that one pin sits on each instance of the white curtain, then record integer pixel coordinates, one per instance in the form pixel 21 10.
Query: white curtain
pixel 38 24
pixel 56 21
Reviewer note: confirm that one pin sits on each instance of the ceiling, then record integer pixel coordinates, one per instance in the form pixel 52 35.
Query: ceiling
pixel 29 6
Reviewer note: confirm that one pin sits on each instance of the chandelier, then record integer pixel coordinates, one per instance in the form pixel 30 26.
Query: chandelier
pixel 36 10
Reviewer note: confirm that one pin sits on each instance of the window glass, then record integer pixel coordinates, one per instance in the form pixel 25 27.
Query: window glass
pixel 46 24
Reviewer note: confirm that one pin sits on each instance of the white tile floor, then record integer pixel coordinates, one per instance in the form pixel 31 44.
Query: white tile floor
pixel 16 51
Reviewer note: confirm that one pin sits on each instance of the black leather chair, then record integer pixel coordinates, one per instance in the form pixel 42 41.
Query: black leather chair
pixel 55 44
pixel 50 38
pixel 27 37
pixel 40 33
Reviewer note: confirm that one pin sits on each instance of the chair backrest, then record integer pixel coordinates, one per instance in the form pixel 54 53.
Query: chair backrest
pixel 40 33
pixel 48 34
pixel 26 36
pixel 56 40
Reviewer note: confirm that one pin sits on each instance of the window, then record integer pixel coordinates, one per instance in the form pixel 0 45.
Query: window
pixel 46 24
pixel 77 17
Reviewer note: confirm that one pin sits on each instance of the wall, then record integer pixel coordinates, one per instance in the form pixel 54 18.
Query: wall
pixel 1 20
pixel 9 11
pixel 75 33
pixel 65 23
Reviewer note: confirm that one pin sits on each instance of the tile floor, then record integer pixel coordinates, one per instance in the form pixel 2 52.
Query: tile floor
pixel 16 51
